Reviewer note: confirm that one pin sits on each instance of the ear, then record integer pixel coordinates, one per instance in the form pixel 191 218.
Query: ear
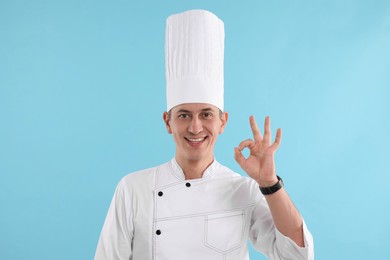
pixel 224 119
pixel 166 121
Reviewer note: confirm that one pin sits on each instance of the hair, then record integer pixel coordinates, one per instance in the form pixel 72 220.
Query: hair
pixel 170 113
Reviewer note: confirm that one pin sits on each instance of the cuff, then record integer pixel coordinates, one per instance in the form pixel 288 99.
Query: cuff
pixel 290 250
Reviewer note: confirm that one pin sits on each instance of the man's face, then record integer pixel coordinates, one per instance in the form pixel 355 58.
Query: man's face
pixel 195 128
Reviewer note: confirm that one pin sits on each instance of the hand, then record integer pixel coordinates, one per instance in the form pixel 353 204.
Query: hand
pixel 260 164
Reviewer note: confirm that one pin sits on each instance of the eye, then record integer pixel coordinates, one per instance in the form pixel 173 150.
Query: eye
pixel 184 116
pixel 207 115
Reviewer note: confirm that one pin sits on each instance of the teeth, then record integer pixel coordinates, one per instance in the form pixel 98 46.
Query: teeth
pixel 195 140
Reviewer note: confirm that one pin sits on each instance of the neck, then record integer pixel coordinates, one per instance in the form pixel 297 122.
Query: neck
pixel 194 169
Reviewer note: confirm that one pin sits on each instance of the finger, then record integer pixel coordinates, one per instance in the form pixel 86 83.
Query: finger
pixel 246 144
pixel 255 129
pixel 278 139
pixel 240 159
pixel 267 130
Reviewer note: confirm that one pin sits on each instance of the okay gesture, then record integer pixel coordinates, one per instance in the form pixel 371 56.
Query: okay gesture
pixel 260 164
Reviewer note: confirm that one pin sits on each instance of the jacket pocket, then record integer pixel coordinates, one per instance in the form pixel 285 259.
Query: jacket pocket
pixel 224 231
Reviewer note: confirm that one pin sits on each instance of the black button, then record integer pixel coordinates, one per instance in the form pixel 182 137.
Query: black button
pixel 160 193
pixel 188 184
pixel 158 232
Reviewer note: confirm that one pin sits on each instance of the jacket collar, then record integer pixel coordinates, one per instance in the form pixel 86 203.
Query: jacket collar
pixel 177 171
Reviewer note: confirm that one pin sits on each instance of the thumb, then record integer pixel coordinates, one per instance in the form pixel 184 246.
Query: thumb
pixel 240 159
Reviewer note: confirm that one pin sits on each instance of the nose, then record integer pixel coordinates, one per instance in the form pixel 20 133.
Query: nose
pixel 195 126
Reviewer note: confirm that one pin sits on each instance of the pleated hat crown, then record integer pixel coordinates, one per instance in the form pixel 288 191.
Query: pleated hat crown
pixel 194 58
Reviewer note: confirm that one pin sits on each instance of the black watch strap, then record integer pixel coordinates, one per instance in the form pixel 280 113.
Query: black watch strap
pixel 272 189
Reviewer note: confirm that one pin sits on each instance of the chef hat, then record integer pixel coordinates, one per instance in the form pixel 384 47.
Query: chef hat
pixel 194 49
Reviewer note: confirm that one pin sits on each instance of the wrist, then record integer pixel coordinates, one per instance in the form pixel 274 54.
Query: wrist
pixel 268 183
pixel 268 190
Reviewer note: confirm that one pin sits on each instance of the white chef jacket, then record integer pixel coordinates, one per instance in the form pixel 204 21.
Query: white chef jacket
pixel 157 214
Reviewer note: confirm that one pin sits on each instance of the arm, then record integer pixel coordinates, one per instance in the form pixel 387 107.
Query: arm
pixel 115 240
pixel 260 166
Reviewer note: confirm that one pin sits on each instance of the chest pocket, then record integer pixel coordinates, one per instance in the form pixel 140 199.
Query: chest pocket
pixel 224 231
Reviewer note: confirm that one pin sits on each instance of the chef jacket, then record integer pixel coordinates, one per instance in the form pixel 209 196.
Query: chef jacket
pixel 157 214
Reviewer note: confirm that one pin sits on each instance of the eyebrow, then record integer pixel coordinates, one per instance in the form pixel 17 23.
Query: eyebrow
pixel 187 111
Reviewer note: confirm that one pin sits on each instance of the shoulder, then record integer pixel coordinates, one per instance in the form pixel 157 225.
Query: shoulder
pixel 141 178
pixel 238 180
pixel 225 172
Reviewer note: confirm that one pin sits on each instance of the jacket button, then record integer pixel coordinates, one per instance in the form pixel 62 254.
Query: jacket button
pixel 188 184
pixel 158 232
pixel 160 193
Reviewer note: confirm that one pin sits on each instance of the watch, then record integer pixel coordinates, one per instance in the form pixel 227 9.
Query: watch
pixel 272 189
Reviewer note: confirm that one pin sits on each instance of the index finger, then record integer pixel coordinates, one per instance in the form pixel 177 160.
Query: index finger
pixel 255 129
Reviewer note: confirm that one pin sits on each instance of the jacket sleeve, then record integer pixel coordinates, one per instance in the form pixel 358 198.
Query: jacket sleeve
pixel 267 239
pixel 116 237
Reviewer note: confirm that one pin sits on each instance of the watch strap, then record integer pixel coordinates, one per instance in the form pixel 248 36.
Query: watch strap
pixel 272 189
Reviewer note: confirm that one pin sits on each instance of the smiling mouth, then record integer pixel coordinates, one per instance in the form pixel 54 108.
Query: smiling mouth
pixel 195 140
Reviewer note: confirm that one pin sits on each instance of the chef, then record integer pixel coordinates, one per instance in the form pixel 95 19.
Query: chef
pixel 193 207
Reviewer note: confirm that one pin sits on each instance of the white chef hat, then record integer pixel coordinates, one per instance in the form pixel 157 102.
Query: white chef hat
pixel 194 53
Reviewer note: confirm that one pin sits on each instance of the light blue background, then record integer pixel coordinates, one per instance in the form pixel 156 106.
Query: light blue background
pixel 82 91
